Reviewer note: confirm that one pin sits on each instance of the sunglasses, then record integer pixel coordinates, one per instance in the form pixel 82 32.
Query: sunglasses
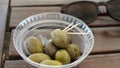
pixel 88 11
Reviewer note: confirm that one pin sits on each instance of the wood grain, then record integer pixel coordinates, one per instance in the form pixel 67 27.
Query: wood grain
pixel 20 13
pixel 3 16
pixel 44 2
pixel 101 61
pixel 92 61
pixel 12 51
pixel 15 64
pixel 107 40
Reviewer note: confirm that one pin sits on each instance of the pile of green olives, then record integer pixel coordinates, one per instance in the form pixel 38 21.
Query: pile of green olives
pixel 59 50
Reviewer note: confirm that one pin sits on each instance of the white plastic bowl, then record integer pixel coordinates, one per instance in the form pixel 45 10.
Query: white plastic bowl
pixel 43 24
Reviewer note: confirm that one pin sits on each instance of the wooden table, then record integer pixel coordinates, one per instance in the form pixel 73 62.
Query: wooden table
pixel 3 23
pixel 105 54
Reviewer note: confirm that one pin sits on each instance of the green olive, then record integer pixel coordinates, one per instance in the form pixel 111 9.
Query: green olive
pixel 34 45
pixel 63 56
pixel 50 48
pixel 39 57
pixel 59 38
pixel 74 51
pixel 51 62
pixel 69 39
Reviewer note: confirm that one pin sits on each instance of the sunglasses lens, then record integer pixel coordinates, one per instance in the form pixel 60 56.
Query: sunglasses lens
pixel 85 11
pixel 114 9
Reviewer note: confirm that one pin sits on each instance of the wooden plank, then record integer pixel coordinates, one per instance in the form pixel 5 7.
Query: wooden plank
pixel 44 2
pixel 107 40
pixel 6 44
pixel 101 61
pixel 12 51
pixel 20 13
pixel 3 16
pixel 15 64
pixel 93 61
